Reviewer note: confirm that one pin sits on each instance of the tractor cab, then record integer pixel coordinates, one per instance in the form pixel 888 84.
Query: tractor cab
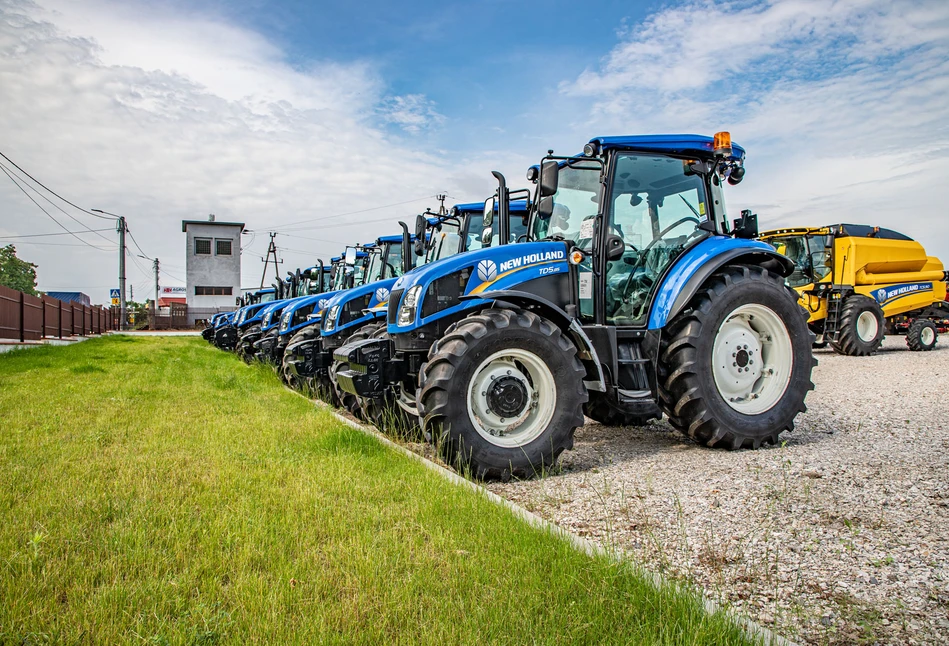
pixel 810 249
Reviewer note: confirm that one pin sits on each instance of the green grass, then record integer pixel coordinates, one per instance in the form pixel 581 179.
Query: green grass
pixel 160 491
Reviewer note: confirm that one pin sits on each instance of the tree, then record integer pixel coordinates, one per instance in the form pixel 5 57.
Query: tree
pixel 15 273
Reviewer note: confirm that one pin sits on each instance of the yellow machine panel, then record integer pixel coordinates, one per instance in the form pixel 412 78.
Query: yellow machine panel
pixel 855 280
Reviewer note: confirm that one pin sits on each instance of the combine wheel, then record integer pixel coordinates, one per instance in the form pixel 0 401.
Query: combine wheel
pixel 502 393
pixel 737 362
pixel 861 329
pixel 921 335
pixel 347 400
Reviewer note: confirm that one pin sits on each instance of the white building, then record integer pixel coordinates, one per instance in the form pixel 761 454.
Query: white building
pixel 213 252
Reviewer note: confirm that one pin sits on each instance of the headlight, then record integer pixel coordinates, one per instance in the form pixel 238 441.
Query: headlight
pixel 285 320
pixel 407 311
pixel 329 322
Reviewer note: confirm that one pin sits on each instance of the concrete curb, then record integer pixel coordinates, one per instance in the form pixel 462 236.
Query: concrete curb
pixel 755 631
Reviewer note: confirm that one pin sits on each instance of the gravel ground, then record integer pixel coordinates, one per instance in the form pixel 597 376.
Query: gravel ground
pixel 838 536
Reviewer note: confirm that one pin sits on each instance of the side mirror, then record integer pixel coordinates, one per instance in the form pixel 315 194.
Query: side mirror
pixel 545 207
pixel 406 245
pixel 746 226
pixel 614 247
pixel 420 224
pixel 486 234
pixel 549 176
pixel 489 206
pixel 350 258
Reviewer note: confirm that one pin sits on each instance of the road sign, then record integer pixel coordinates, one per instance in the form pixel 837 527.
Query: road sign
pixel 114 294
pixel 115 301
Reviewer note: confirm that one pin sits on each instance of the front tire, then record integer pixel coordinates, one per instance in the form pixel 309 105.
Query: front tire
pixel 502 393
pixel 861 327
pixel 921 335
pixel 737 361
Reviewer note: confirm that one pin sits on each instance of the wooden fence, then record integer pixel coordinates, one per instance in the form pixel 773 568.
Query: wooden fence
pixel 31 318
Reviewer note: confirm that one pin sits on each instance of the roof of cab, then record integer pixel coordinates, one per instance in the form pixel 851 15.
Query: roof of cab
pixel 701 145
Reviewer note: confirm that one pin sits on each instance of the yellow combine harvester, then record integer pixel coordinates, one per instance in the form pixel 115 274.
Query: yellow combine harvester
pixel 859 282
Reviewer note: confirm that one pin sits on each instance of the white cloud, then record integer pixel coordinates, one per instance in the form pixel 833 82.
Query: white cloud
pixel 412 112
pixel 841 104
pixel 162 118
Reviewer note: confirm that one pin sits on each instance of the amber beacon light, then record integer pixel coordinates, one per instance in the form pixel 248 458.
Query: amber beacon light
pixel 723 143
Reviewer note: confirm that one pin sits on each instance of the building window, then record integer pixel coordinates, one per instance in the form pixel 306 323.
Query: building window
pixel 222 247
pixel 202 246
pixel 213 291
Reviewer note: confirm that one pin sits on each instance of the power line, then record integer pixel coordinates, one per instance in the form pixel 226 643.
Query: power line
pixel 137 245
pixel 58 208
pixel 55 244
pixel 13 179
pixel 51 190
pixel 341 215
pixel 44 235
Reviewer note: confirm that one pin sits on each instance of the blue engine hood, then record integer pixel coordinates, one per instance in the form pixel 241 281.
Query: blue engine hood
pixel 378 303
pixel 492 269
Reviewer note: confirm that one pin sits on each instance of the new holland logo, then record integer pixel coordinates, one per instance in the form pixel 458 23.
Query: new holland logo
pixel 881 294
pixel 382 294
pixel 323 303
pixel 487 270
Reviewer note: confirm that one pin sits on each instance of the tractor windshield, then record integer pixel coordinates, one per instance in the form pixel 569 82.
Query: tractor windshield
pixel 656 206
pixel 392 267
pixel 445 240
pixel 576 203
pixel 266 297
pixel 811 255
pixel 374 266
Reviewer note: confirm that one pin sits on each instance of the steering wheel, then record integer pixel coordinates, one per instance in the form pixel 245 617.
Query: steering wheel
pixel 668 229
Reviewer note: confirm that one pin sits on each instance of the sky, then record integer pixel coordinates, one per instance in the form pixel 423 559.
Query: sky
pixel 328 122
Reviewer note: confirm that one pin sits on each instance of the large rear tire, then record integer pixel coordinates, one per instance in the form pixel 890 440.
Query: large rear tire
pixel 861 328
pixel 502 393
pixel 348 400
pixel 737 361
pixel 921 335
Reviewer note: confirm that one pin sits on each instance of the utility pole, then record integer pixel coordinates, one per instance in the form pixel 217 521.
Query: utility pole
pixel 122 229
pixel 155 313
pixel 271 250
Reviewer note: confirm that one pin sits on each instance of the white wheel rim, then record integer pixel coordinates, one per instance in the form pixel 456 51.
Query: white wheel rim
pixel 752 359
pixel 927 335
pixel 867 327
pixel 528 375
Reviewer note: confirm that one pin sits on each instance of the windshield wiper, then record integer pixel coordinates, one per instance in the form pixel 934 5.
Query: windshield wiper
pixel 691 208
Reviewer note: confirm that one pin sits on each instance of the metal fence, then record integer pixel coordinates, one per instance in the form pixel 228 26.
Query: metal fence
pixel 31 318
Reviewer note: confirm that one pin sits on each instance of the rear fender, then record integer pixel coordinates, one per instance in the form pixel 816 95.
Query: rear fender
pixel 696 266
pixel 569 325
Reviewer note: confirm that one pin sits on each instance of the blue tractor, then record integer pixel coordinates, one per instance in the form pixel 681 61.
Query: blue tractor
pixel 392 408
pixel 632 296
pixel 307 284
pixel 226 333
pixel 301 325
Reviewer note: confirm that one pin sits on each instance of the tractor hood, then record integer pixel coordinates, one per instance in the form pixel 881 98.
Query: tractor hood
pixel 250 314
pixel 305 311
pixel 472 274
pixel 357 306
pixel 269 315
